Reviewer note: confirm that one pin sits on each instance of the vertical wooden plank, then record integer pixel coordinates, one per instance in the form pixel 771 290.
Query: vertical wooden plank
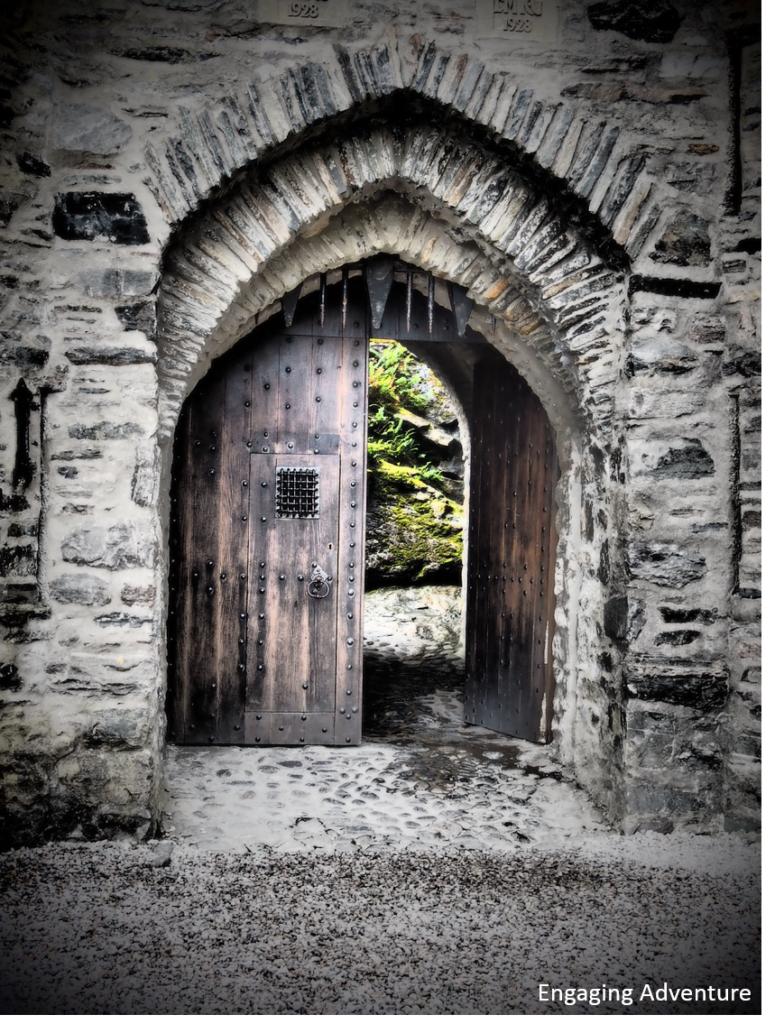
pixel 506 712
pixel 323 613
pixel 296 408
pixel 327 380
pixel 232 555
pixel 509 683
pixel 526 570
pixel 352 419
pixel 480 544
pixel 297 631
pixel 266 345
pixel 198 499
pixel 261 514
pixel 495 531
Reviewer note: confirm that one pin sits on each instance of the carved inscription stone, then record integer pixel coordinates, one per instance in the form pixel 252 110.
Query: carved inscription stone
pixel 315 13
pixel 518 20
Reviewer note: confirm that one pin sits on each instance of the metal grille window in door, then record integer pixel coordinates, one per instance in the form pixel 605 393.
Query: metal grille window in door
pixel 296 492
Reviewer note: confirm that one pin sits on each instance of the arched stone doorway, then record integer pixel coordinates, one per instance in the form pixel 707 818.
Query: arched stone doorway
pixel 544 296
pixel 268 514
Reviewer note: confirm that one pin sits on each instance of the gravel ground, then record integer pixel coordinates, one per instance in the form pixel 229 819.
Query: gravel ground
pixel 156 928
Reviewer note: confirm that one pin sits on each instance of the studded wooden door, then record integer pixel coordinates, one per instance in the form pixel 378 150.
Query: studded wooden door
pixel 510 608
pixel 268 537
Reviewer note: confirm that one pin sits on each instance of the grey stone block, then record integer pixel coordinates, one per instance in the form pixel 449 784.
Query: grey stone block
pixel 686 463
pixel 116 216
pixel 80 588
pixel 99 282
pixel 138 316
pixel 9 677
pixel 654 22
pixel 666 565
pixel 109 355
pixel 164 54
pixel 677 638
pixel 123 619
pixel 30 164
pixel 123 545
pixel 694 178
pixel 137 594
pixel 82 453
pixel 120 729
pixel 23 529
pixel 19 560
pixel 105 431
pixel 686 242
pixel 705 616
pixel 24 357
pixel 144 483
pixel 705 689
pixel 85 128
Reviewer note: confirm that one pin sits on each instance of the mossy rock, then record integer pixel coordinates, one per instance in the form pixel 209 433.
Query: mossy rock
pixel 414 531
pixel 415 492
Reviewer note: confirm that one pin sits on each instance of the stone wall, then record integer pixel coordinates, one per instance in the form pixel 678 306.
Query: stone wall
pixel 171 169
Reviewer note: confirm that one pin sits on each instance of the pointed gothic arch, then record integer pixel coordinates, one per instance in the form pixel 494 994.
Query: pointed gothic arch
pixel 544 294
pixel 576 147
pixel 521 257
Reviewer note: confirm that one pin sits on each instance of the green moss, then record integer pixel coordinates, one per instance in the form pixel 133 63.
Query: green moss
pixel 397 384
pixel 420 530
pixel 424 545
pixel 415 530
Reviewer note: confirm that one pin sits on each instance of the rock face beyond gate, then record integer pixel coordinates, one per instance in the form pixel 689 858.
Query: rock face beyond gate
pixel 586 179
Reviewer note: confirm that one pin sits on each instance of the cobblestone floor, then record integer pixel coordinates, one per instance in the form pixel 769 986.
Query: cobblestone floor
pixel 422 779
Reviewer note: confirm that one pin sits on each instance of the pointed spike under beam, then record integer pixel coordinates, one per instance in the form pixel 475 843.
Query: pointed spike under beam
pixel 289 305
pixel 461 307
pixel 379 274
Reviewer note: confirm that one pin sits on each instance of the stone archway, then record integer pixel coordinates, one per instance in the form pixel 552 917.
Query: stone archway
pixel 544 294
pixel 568 626
pixel 525 260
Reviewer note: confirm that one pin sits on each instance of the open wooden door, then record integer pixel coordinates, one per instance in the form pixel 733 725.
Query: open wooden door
pixel 511 536
pixel 512 548
pixel 268 536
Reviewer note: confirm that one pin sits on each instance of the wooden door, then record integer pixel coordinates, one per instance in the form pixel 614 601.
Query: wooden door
pixel 268 502
pixel 511 552
pixel 511 535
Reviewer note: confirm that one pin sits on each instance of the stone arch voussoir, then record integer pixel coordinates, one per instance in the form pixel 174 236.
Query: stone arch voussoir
pixel 531 265
pixel 589 156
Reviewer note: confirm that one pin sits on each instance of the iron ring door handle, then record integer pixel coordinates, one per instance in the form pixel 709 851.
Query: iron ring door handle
pixel 319 585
